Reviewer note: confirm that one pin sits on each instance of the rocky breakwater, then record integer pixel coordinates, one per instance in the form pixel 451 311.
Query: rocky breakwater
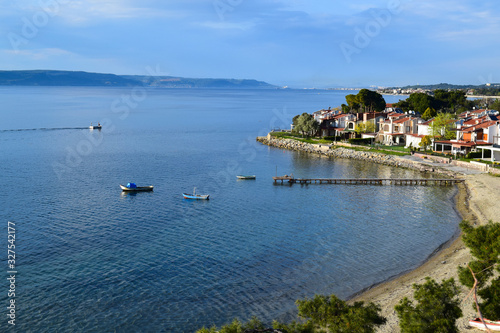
pixel 342 152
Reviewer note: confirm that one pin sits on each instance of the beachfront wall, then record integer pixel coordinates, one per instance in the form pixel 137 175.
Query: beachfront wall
pixel 413 140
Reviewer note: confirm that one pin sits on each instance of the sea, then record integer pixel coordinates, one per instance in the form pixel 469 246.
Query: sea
pixel 87 257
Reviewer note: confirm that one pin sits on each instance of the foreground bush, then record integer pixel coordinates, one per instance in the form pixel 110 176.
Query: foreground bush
pixel 319 314
pixel 436 311
pixel 484 245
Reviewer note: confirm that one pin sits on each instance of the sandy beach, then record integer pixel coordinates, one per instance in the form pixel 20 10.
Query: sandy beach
pixel 477 202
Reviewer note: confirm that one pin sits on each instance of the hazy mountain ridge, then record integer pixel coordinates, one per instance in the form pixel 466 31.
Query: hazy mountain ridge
pixel 80 78
pixel 446 86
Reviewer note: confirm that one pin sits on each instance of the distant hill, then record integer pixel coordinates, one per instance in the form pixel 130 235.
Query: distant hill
pixel 446 86
pixel 71 78
pixel 61 78
pixel 180 82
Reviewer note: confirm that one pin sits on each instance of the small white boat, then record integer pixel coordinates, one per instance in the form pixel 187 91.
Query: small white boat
pixel 98 126
pixel 491 324
pixel 246 176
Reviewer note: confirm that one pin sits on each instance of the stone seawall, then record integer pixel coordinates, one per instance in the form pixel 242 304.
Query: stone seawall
pixel 340 152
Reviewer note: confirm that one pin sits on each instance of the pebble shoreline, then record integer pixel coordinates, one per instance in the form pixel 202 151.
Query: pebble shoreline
pixel 340 152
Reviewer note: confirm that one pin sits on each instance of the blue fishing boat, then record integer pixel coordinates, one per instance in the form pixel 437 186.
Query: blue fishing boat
pixel 132 187
pixel 195 196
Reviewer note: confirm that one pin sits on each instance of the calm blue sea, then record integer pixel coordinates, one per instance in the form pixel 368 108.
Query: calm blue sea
pixel 92 259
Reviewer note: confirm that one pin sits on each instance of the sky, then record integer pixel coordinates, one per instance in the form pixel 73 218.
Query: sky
pixel 295 43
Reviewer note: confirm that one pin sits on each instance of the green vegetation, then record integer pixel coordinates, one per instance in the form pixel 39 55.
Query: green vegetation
pixel 360 141
pixel 495 105
pixel 484 244
pixel 285 135
pixel 487 91
pixel 429 113
pixel 425 142
pixel 305 124
pixel 443 126
pixel 299 137
pixel 446 101
pixel 437 308
pixel 365 101
pixel 319 314
pixel 368 127
pixel 336 315
pixel 388 150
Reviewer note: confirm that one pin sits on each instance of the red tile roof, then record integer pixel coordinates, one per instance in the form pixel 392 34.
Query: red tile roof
pixel 478 111
pixel 475 121
pixel 477 127
pixel 402 120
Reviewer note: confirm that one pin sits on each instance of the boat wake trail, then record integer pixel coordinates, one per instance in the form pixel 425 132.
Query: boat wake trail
pixel 43 129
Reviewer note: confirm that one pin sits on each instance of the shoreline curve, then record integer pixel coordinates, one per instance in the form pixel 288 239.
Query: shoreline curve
pixel 443 262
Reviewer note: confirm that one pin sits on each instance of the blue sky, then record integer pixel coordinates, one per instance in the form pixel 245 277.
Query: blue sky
pixel 297 43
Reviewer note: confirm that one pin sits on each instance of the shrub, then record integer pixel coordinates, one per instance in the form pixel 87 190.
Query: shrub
pixel 484 244
pixel 360 141
pixel 437 308
pixel 333 138
pixel 336 315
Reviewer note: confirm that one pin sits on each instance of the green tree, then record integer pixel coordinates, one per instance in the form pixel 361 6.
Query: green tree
pixel 425 142
pixel 403 105
pixel 335 315
pixel 436 311
pixel 371 100
pixel 450 100
pixel 484 244
pixel 421 101
pixel 352 102
pixel 345 108
pixel 366 127
pixel 296 118
pixel 443 126
pixel 495 105
pixel 306 124
pixel 429 113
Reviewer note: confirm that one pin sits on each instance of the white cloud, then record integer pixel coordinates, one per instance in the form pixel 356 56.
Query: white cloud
pixel 38 54
pixel 225 25
pixel 78 12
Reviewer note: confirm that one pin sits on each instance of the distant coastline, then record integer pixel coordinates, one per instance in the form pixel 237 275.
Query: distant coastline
pixel 86 79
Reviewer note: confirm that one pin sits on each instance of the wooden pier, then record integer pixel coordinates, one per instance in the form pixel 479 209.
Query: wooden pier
pixel 367 181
